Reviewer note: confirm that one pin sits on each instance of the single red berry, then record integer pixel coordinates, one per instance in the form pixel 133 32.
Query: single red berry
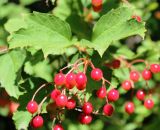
pixel 108 109
pixel 138 18
pixel 140 95
pixel 155 68
pixel 113 95
pixel 71 104
pixel 96 74
pixel 116 64
pixel 55 93
pixel 58 127
pixel 70 80
pixel 61 100
pixel 85 119
pixel 134 76
pixel 129 107
pixel 149 103
pixel 146 74
pixel 81 81
pixel 87 108
pixel 97 2
pixel 37 122
pixel 101 92
pixel 59 79
pixel 32 107
pixel 126 85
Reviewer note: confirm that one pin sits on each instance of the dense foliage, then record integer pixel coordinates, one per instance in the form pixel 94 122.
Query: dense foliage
pixel 42 42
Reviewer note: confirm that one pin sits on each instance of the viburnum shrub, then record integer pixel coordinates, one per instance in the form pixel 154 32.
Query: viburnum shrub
pixel 84 61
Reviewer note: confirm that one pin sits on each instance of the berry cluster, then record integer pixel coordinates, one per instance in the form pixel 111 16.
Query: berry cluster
pixel 64 98
pixel 134 77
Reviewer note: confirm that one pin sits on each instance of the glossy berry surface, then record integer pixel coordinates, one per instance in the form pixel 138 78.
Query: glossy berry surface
pixel 155 68
pixel 116 64
pixel 85 119
pixel 113 95
pixel 140 95
pixel 32 107
pixel 81 78
pixel 134 76
pixel 126 85
pixel 70 80
pixel 96 74
pixel 129 107
pixel 146 74
pixel 55 93
pixel 71 104
pixel 81 81
pixel 37 122
pixel 58 127
pixel 61 100
pixel 108 109
pixel 59 79
pixel 149 103
pixel 101 92
pixel 87 108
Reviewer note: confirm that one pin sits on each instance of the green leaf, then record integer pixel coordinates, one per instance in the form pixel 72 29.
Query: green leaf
pixel 14 24
pixel 11 10
pixel 41 69
pixel 27 2
pixel 22 119
pixel 10 64
pixel 113 26
pixel 44 31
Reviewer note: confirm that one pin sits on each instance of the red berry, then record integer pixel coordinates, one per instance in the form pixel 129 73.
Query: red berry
pixel 149 103
pixel 37 122
pixel 97 2
pixel 71 104
pixel 59 79
pixel 85 119
pixel 129 107
pixel 55 93
pixel 140 95
pixel 61 100
pixel 116 64
pixel 138 18
pixel 81 87
pixel 96 74
pixel 113 95
pixel 87 108
pixel 81 81
pixel 155 68
pixel 32 107
pixel 102 92
pixel 97 8
pixel 134 76
pixel 70 80
pixel 58 127
pixel 146 74
pixel 108 109
pixel 126 85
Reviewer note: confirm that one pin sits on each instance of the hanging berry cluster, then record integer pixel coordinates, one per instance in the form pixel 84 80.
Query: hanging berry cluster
pixel 134 77
pixel 64 98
